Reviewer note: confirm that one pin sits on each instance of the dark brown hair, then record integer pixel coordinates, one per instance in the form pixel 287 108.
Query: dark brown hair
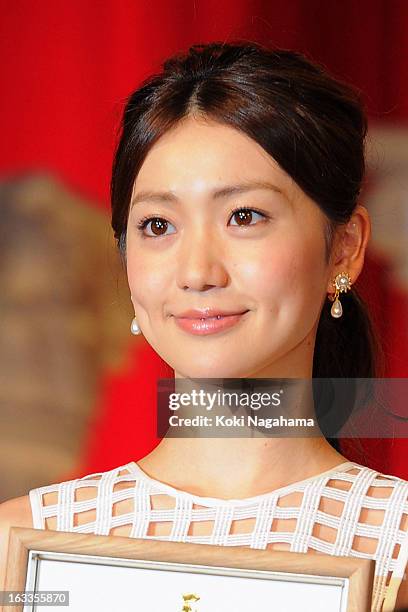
pixel 311 123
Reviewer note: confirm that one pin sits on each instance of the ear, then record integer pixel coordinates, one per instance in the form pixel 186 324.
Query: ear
pixel 350 246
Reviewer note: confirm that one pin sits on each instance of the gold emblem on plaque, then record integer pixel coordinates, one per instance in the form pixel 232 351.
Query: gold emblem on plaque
pixel 187 597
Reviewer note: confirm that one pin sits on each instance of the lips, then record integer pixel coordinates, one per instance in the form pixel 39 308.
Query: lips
pixel 208 323
pixel 208 313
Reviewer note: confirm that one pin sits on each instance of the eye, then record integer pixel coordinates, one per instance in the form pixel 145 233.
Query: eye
pixel 245 216
pixel 158 226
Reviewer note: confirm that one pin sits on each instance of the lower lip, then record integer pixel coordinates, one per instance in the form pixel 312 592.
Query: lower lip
pixel 210 325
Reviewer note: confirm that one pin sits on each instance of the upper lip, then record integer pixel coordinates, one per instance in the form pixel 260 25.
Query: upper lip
pixel 205 313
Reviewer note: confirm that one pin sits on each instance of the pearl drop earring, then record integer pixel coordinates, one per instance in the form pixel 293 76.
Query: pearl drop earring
pixel 342 283
pixel 134 327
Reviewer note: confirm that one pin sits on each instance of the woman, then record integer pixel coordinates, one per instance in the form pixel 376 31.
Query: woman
pixel 235 206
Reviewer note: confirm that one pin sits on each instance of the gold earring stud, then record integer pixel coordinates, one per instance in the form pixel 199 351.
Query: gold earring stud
pixel 342 283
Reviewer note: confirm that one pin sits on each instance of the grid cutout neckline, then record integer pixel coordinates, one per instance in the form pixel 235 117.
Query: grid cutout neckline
pixel 134 467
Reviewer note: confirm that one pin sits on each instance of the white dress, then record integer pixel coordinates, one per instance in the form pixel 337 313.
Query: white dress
pixel 345 511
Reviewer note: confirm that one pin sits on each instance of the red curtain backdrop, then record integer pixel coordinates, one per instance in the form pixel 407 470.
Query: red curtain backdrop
pixel 66 69
pixel 67 66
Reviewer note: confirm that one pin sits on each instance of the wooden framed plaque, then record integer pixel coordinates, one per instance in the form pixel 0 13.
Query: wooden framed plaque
pixel 82 572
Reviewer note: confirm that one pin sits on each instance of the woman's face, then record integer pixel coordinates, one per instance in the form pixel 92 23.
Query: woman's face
pixel 268 262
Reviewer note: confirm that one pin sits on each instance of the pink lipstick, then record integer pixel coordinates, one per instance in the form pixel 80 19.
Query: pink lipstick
pixel 208 321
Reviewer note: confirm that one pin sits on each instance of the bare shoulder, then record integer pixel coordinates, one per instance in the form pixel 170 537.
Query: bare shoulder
pixel 14 512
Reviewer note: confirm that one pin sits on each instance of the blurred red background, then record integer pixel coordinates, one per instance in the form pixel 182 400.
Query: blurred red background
pixel 66 70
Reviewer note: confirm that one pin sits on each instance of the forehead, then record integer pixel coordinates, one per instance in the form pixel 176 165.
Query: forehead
pixel 197 152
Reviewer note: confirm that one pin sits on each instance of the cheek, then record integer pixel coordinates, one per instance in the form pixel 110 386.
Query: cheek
pixel 292 271
pixel 146 280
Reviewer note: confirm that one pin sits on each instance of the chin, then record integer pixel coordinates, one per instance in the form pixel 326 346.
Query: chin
pixel 213 370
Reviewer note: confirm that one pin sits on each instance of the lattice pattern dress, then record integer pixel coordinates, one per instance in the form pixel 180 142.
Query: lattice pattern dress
pixel 350 510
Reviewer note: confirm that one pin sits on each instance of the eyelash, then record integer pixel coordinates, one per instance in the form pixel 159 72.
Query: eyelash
pixel 145 220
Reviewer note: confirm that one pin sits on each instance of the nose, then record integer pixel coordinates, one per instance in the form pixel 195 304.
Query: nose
pixel 201 262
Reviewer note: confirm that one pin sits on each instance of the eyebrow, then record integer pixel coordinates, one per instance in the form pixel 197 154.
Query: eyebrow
pixel 223 192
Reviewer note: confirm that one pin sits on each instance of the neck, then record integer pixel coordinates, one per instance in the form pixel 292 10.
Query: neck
pixel 242 461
